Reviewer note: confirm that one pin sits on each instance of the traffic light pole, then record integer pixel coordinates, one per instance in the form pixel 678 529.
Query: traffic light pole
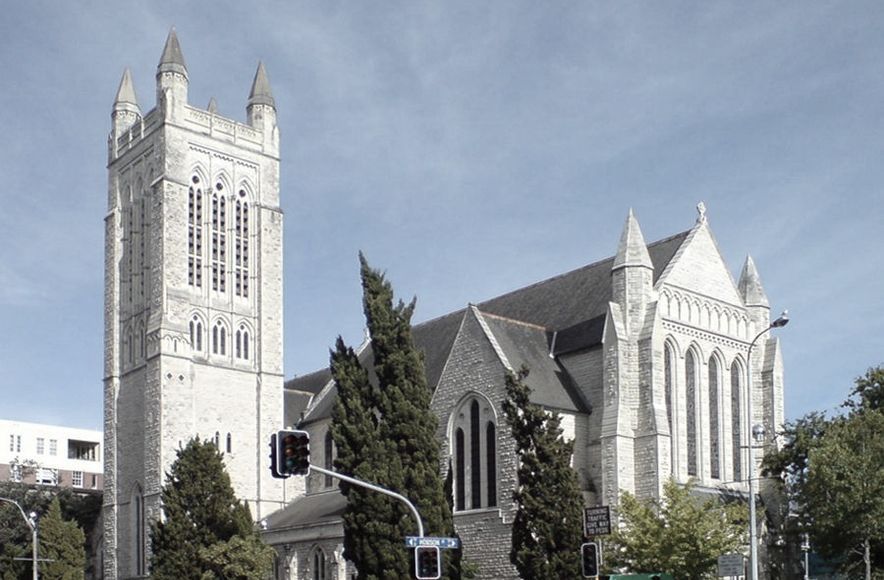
pixel 377 488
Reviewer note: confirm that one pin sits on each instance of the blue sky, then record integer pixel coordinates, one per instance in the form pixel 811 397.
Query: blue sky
pixel 468 148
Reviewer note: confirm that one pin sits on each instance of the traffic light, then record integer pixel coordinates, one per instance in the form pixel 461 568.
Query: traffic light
pixel 426 563
pixel 590 558
pixel 292 453
pixel 274 458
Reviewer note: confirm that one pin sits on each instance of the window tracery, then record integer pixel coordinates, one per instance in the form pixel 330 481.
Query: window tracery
pixel 714 420
pixel 475 455
pixel 241 245
pixel 195 234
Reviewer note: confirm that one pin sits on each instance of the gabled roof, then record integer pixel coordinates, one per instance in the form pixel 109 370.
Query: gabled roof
pixel 570 306
pixel 528 345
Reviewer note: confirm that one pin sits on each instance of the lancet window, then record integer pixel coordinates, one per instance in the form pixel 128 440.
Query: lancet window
pixel 241 246
pixel 736 416
pixel 475 456
pixel 714 420
pixel 195 234
pixel 219 239
pixel 690 367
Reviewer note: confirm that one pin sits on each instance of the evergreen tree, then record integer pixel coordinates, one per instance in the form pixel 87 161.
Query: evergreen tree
pixel 680 535
pixel 201 512
pixel 548 528
pixel 385 433
pixel 62 544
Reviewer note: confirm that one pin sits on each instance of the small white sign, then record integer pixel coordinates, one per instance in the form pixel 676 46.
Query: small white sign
pixel 730 565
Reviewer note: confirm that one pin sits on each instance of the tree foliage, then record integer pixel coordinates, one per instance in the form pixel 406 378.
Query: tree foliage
pixel 204 522
pixel 15 535
pixel 385 433
pixel 844 492
pixel 61 542
pixel 823 454
pixel 548 528
pixel 682 535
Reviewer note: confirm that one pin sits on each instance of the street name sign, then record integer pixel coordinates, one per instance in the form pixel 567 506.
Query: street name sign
pixel 442 543
pixel 597 520
pixel 730 565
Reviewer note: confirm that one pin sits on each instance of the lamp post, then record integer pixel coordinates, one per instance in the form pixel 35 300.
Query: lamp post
pixel 780 322
pixel 32 524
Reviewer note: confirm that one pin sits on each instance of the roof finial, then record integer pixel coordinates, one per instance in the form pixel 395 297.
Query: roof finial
pixel 126 92
pixel 751 289
pixel 701 211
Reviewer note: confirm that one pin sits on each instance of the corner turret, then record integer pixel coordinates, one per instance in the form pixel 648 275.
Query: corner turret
pixel 172 81
pixel 753 295
pixel 261 109
pixel 632 274
pixel 126 110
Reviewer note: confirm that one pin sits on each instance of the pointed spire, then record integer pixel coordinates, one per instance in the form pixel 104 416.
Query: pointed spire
pixel 261 93
pixel 213 106
pixel 750 285
pixel 632 250
pixel 126 92
pixel 172 59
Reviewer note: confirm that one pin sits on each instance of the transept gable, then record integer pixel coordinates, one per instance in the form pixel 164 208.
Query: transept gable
pixel 698 267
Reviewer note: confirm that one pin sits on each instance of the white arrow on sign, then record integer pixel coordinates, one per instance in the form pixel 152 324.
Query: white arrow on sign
pixel 443 543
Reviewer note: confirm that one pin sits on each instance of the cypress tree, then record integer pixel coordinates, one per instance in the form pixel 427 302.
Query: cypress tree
pixel 385 433
pixel 201 512
pixel 548 528
pixel 62 542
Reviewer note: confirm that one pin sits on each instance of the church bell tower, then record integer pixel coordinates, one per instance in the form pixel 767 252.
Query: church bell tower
pixel 193 300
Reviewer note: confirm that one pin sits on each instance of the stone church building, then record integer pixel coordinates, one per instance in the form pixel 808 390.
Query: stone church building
pixel 644 354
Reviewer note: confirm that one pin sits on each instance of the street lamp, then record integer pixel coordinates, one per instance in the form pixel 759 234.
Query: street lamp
pixel 32 524
pixel 752 432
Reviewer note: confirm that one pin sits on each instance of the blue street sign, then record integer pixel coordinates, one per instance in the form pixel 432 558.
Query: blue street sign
pixel 442 543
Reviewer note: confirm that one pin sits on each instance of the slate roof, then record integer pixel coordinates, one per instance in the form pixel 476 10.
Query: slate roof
pixel 568 309
pixel 309 509
pixel 576 296
pixel 528 345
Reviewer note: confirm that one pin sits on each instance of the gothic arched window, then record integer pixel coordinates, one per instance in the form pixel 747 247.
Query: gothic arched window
pixel 241 246
pixel 196 334
pixel 219 239
pixel 242 342
pixel 475 455
pixel 736 417
pixel 229 443
pixel 319 564
pixel 219 339
pixel 714 420
pixel 195 234
pixel 690 372
pixel 668 385
pixel 138 535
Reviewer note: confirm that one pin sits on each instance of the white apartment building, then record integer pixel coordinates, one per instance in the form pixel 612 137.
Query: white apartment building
pixel 51 455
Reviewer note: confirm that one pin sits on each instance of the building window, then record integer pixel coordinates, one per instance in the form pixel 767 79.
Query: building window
pixel 736 417
pixel 242 343
pixel 219 240
pixel 53 447
pixel 241 246
pixel 138 537
pixel 196 334
pixel 475 455
pixel 668 383
pixel 219 339
pixel 229 443
pixel 41 444
pixel 195 234
pixel 319 564
pixel 690 371
pixel 714 422
pixel 94 481
pixel 12 442
pixel 77 479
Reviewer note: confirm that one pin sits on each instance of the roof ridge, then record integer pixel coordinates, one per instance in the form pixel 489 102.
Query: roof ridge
pixel 585 267
pixel 513 320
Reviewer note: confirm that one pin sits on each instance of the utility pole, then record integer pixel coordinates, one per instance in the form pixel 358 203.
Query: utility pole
pixel 32 524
